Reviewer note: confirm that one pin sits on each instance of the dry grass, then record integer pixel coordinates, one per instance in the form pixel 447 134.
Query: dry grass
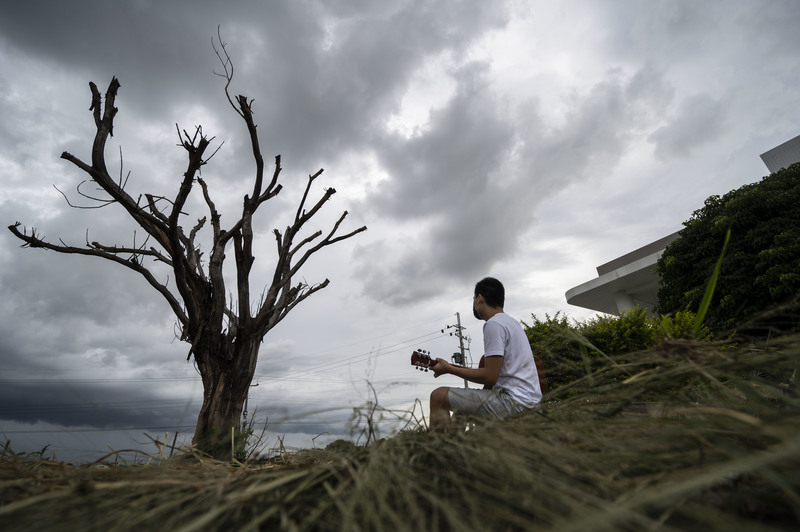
pixel 689 437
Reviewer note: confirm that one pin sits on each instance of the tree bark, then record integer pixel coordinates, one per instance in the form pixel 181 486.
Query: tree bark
pixel 227 375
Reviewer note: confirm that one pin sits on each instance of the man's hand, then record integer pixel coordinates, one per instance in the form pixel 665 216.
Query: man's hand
pixel 441 367
pixel 486 375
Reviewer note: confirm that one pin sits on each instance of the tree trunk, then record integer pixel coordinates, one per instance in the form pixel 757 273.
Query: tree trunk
pixel 227 372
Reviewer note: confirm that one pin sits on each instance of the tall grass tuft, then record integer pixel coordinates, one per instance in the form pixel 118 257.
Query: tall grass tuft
pixel 684 436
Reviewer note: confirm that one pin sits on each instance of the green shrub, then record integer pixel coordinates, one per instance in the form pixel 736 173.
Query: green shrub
pixel 632 331
pixel 570 351
pixel 682 325
pixel 552 340
pixel 761 269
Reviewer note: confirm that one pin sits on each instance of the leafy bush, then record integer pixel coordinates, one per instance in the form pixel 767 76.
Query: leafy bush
pixel 682 325
pixel 761 269
pixel 632 331
pixel 553 341
pixel 570 351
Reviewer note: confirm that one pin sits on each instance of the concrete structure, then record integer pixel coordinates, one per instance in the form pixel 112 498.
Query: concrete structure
pixel 624 283
pixel 630 280
pixel 782 156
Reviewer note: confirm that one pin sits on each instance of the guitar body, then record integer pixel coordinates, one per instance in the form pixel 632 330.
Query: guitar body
pixel 482 364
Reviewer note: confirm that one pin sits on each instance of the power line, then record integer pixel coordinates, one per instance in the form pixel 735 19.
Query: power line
pixel 339 363
pixel 390 333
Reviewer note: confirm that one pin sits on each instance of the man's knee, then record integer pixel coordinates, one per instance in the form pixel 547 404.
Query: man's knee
pixel 440 397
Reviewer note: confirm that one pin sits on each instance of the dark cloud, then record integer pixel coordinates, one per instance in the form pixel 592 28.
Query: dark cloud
pixel 163 57
pixel 347 89
pixel 101 40
pixel 110 405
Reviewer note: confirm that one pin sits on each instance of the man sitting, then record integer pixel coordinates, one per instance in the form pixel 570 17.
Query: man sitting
pixel 509 376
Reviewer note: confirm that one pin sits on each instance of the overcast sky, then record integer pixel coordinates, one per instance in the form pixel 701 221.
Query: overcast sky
pixel 530 141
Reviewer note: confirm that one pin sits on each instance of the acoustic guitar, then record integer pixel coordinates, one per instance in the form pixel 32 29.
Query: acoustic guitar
pixel 423 361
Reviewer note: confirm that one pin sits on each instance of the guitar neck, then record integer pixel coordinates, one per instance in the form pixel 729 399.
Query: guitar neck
pixel 423 360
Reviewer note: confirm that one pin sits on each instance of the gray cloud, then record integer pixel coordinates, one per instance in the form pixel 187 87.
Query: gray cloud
pixel 473 179
pixel 162 55
pixel 699 120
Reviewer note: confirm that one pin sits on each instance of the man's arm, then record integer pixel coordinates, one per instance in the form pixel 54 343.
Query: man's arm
pixel 486 375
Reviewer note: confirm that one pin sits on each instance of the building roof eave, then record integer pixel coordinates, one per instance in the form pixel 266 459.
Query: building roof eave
pixel 635 279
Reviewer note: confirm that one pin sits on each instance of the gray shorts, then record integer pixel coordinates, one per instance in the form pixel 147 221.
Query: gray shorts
pixel 478 402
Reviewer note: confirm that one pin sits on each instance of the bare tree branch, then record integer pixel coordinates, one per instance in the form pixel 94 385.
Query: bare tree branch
pixel 227 67
pixel 103 203
pixel 327 241
pixel 272 189
pixel 104 252
pixel 151 204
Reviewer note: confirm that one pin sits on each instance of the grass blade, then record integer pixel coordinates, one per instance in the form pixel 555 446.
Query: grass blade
pixel 712 284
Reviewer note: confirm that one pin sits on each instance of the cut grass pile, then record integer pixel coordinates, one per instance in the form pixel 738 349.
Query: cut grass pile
pixel 689 436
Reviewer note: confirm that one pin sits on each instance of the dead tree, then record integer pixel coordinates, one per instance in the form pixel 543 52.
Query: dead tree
pixel 225 336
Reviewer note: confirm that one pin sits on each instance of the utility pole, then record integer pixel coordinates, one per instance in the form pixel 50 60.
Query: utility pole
pixel 459 358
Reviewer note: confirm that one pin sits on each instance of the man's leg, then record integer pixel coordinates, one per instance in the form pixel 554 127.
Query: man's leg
pixel 440 409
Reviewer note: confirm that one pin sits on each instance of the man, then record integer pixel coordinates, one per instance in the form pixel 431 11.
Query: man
pixel 509 376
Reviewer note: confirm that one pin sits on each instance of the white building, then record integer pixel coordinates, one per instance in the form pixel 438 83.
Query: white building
pixel 782 156
pixel 630 280
pixel 624 283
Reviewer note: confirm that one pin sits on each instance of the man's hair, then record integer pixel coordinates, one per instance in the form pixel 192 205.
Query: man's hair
pixel 492 291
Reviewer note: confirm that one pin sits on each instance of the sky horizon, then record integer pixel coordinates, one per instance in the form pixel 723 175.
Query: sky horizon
pixel 529 141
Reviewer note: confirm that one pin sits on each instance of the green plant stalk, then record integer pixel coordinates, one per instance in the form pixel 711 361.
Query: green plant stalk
pixel 712 284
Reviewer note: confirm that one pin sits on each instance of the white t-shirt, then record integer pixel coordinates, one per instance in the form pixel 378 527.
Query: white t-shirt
pixel 504 336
